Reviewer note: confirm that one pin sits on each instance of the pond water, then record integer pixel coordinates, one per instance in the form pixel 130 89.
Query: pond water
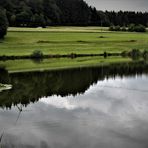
pixel 102 107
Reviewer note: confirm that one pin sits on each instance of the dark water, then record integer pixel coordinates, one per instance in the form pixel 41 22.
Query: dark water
pixel 104 107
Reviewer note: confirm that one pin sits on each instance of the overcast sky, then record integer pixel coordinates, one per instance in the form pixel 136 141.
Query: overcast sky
pixel 132 5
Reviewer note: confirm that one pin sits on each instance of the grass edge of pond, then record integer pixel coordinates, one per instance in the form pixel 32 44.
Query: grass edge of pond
pixel 72 66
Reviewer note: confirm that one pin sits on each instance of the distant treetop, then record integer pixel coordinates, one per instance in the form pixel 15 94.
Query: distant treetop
pixel 34 13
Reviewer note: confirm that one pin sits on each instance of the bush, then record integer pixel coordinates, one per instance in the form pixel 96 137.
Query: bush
pixel 124 53
pixel 140 28
pixel 117 28
pixel 145 54
pixel 111 28
pixel 135 54
pixel 123 28
pixel 3 23
pixel 37 54
pixel 114 28
pixel 131 27
pixel 136 28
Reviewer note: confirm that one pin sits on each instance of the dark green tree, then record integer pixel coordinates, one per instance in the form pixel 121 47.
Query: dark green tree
pixel 66 12
pixel 3 23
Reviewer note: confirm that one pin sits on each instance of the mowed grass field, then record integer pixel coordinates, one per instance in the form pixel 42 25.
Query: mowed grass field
pixel 67 40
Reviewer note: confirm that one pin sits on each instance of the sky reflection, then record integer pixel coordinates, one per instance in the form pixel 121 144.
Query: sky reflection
pixel 107 115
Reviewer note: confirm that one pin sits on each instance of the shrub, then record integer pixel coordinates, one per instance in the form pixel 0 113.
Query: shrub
pixel 117 28
pixel 123 28
pixel 131 27
pixel 111 28
pixel 135 54
pixel 145 54
pixel 124 53
pixel 37 54
pixel 136 28
pixel 140 28
pixel 114 28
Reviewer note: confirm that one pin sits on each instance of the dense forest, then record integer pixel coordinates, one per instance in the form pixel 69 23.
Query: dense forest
pixel 34 13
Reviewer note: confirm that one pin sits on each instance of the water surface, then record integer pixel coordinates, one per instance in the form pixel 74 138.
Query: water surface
pixel 104 107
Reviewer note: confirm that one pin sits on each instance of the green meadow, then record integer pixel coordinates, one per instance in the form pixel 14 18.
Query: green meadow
pixel 67 40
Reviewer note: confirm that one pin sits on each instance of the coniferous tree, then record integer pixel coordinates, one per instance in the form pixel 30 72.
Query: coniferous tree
pixel 34 13
pixel 3 23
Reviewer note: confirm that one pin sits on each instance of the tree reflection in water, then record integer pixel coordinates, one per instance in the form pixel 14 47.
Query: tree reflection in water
pixel 31 86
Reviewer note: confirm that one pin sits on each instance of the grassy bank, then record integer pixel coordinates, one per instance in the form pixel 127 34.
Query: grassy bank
pixel 60 63
pixel 67 40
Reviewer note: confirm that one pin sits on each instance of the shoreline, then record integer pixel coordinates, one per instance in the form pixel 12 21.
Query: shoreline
pixel 72 55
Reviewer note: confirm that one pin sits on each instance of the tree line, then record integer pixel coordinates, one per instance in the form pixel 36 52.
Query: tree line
pixel 35 13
